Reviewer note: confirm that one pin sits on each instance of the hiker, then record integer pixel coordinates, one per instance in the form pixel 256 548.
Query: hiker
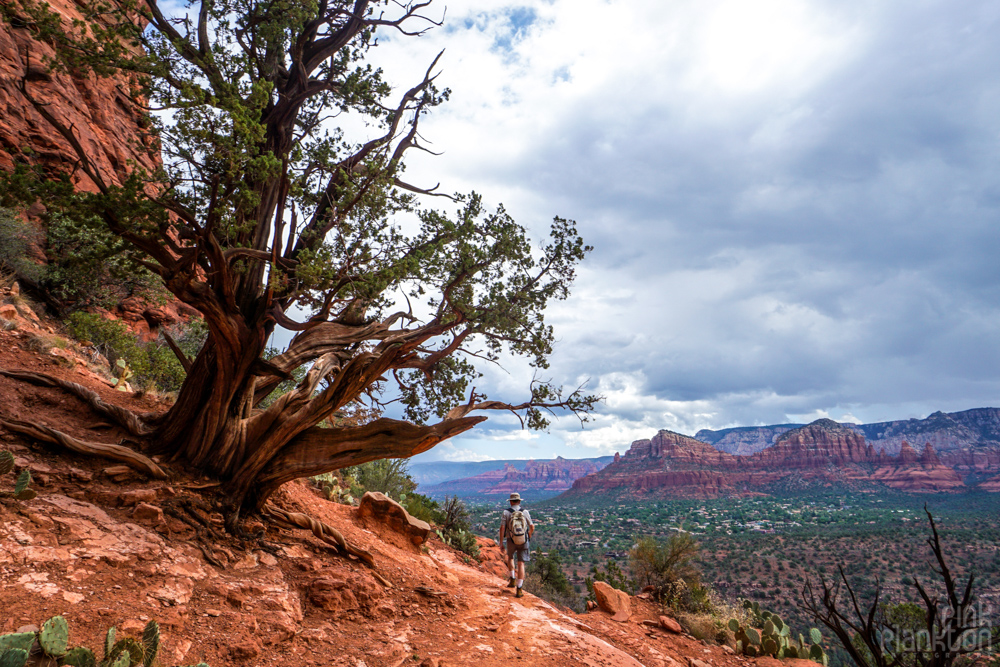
pixel 517 527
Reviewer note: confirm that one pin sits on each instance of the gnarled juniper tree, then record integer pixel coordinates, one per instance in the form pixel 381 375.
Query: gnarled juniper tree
pixel 265 208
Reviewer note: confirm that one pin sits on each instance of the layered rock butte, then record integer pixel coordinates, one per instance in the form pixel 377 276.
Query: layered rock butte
pixel 968 440
pixel 821 454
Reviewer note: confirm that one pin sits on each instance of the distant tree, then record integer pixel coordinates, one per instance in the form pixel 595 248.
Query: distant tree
pixel 548 569
pixel 662 563
pixel 612 575
pixel 388 476
pixel 265 209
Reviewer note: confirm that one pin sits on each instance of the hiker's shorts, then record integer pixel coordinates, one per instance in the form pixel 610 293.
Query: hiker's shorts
pixel 521 553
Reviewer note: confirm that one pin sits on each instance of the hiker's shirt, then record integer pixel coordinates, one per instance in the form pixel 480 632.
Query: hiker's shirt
pixel 507 514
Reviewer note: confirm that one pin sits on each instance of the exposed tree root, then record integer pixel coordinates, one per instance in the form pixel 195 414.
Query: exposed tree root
pixel 184 510
pixel 127 419
pixel 323 531
pixel 118 453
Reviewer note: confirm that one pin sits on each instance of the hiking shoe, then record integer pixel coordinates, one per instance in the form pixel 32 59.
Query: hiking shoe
pixel 511 583
pixel 519 593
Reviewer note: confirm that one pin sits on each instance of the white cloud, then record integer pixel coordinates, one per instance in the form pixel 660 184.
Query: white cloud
pixel 793 201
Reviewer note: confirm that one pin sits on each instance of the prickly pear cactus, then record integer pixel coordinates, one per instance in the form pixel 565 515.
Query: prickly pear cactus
pixel 23 481
pixel 129 649
pixel 21 640
pixel 6 462
pixel 109 643
pixel 54 636
pixel 80 657
pixel 150 643
pixel 774 638
pixel 53 640
pixel 13 657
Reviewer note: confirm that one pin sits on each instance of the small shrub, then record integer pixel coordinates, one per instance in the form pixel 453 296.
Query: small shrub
pixel 388 476
pixel 151 365
pixel 612 575
pixel 456 528
pixel 423 508
pixel 90 266
pixel 667 566
pixel 39 344
pixel 7 277
pixel 702 626
pixel 546 579
pixel 16 238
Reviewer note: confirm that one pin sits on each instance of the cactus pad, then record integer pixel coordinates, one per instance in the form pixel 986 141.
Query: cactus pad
pixel 21 640
pixel 80 657
pixel 13 657
pixel 109 642
pixel 815 635
pixel 150 643
pixel 54 636
pixel 23 480
pixel 128 648
pixel 6 462
pixel 734 625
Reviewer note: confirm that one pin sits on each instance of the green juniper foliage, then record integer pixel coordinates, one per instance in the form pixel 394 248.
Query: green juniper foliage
pixel 265 206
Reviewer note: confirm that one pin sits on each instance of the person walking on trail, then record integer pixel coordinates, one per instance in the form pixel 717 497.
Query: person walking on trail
pixel 517 527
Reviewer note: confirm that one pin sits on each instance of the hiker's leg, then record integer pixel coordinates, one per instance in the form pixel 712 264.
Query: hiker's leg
pixel 520 572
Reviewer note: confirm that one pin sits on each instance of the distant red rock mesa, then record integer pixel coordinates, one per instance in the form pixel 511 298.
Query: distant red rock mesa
pixel 556 476
pixel 821 454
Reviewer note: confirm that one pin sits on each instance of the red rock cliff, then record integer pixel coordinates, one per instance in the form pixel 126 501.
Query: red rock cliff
pixel 821 453
pixel 104 120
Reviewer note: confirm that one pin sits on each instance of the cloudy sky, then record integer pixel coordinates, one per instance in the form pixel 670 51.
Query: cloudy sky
pixel 793 203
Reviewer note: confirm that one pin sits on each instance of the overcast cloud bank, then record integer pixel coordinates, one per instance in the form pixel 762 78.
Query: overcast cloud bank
pixel 794 204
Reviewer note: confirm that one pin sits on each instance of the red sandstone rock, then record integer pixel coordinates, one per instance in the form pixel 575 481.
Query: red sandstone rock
pixel 148 514
pixel 671 625
pixel 332 594
pixel 613 601
pixel 385 510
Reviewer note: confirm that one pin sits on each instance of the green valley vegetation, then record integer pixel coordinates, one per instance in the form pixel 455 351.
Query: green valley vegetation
pixel 766 549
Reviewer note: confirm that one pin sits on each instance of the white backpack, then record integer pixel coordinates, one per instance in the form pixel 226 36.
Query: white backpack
pixel 518 527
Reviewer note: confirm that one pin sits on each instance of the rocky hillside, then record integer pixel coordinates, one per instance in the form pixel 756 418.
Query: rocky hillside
pixel 821 454
pixel 104 546
pixel 542 479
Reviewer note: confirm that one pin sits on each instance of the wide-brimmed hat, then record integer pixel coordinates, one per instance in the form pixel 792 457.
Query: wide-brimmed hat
pixel 515 497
